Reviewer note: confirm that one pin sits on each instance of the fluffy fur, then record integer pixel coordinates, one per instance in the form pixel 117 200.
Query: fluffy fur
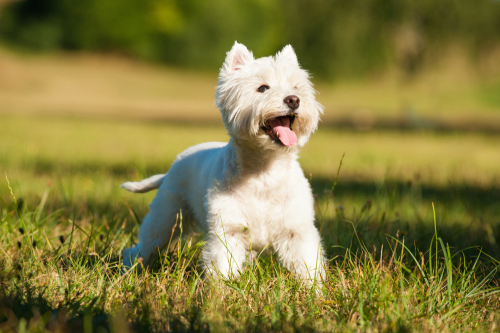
pixel 251 192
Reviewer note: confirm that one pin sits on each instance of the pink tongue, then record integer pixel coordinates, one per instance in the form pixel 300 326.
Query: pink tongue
pixel 285 134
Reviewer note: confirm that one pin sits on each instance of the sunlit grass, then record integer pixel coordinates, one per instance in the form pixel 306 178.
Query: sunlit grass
pixel 100 155
pixel 395 264
pixel 62 236
pixel 453 92
pixel 61 271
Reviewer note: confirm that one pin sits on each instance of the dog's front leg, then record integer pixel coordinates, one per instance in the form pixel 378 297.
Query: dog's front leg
pixel 300 251
pixel 224 253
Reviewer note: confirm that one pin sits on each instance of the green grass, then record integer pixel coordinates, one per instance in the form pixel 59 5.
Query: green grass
pixel 491 94
pixel 118 150
pixel 61 272
pixel 394 264
pixel 454 93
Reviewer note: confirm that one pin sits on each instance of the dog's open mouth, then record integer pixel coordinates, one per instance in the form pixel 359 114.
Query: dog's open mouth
pixel 279 129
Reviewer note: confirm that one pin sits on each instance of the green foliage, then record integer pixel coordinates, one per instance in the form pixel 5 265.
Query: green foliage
pixel 332 38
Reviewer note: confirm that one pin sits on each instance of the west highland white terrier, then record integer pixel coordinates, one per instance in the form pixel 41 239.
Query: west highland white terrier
pixel 249 193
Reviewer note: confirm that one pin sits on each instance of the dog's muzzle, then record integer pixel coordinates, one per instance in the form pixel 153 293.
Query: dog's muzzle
pixel 280 130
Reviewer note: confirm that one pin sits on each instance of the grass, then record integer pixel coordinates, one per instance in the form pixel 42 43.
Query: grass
pixel 61 272
pixel 453 93
pixel 394 263
pixel 411 228
pixel 31 149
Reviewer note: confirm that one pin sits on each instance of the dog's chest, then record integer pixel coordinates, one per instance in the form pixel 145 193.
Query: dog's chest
pixel 263 203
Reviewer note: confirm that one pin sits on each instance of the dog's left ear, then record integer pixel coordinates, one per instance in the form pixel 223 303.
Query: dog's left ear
pixel 288 55
pixel 237 57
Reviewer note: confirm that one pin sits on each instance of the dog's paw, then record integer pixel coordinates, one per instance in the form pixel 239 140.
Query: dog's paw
pixel 131 257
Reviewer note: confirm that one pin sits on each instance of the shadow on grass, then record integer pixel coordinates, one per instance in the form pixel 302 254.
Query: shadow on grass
pixel 42 166
pixel 472 198
pixel 28 308
pixel 466 216
pixel 359 214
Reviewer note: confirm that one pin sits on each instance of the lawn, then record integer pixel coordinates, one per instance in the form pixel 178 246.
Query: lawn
pixel 410 222
pixel 452 94
pixel 61 236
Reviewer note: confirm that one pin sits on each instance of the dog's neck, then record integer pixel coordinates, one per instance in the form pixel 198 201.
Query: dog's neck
pixel 252 160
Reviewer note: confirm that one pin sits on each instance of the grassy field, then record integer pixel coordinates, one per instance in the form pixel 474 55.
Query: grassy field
pixel 452 94
pixel 68 140
pixel 61 241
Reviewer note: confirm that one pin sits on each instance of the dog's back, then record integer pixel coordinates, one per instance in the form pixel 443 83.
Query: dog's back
pixel 154 182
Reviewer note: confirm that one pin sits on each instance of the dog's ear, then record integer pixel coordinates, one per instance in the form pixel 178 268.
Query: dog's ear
pixel 288 55
pixel 237 57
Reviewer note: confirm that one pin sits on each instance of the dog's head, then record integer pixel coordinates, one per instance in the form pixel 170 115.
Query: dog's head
pixel 269 101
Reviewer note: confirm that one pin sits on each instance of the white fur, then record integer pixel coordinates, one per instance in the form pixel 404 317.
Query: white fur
pixel 250 192
pixel 151 183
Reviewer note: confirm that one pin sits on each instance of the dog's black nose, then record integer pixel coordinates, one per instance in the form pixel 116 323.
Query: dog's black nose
pixel 292 101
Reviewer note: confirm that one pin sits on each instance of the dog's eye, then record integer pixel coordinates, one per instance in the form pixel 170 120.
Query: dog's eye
pixel 263 88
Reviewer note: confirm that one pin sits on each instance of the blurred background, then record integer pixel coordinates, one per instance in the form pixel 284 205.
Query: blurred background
pixel 97 92
pixel 94 93
pixel 377 63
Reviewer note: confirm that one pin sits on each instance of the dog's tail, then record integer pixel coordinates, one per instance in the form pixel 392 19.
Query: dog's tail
pixel 146 185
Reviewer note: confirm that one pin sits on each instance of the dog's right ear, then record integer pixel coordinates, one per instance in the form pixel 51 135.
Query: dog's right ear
pixel 237 58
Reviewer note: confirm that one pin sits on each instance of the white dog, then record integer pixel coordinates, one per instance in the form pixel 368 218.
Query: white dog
pixel 251 192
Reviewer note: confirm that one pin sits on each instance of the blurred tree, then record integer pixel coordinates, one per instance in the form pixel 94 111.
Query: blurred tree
pixel 33 23
pixel 332 37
